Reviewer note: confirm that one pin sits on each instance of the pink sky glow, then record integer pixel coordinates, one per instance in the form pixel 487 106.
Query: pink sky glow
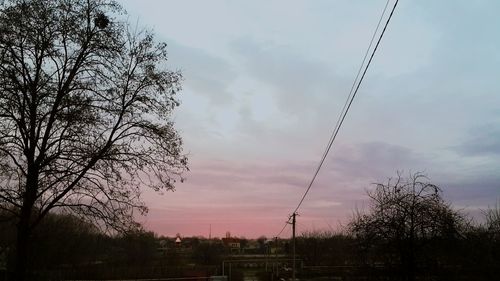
pixel 266 80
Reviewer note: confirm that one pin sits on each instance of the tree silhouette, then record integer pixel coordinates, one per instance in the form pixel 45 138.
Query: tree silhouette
pixel 492 216
pixel 404 214
pixel 85 110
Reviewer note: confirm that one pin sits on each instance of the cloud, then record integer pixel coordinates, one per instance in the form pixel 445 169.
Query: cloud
pixel 208 76
pixel 482 141
pixel 298 85
pixel 260 175
pixel 474 191
pixel 374 160
pixel 472 195
pixel 324 204
pixel 261 97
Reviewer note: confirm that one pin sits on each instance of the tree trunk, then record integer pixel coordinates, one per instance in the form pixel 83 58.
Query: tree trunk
pixel 22 247
pixel 24 228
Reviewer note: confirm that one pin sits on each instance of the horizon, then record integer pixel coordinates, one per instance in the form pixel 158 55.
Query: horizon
pixel 265 82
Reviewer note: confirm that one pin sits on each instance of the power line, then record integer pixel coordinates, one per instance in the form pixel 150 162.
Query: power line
pixel 350 99
pixel 281 231
pixel 357 76
pixel 284 226
pixel 344 114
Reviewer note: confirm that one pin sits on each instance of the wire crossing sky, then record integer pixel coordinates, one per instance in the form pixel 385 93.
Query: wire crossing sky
pixel 348 103
pixel 263 78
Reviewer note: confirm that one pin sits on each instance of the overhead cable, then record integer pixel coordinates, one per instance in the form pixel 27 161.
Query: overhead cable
pixel 356 85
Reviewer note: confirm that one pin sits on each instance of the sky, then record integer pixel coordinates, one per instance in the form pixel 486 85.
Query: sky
pixel 265 82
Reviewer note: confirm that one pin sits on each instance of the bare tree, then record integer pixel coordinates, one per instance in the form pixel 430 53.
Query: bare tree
pixel 85 109
pixel 492 225
pixel 404 213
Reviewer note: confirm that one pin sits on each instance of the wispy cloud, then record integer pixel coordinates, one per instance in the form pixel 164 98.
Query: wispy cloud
pixel 264 87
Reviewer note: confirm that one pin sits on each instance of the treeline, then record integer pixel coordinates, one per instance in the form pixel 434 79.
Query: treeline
pixel 407 233
pixel 64 246
pixel 472 255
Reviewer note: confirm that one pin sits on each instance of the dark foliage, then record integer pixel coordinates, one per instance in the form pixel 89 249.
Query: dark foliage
pixel 84 116
pixel 410 230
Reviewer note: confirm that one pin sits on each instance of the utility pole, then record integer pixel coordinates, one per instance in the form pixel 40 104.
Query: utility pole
pixel 293 245
pixel 276 255
pixel 275 264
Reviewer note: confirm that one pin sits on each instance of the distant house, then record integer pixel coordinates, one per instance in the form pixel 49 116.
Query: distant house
pixel 271 247
pixel 233 244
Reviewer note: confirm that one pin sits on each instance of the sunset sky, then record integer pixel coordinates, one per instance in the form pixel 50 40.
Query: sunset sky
pixel 265 82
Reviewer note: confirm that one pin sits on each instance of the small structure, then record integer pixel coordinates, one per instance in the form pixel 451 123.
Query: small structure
pixel 163 246
pixel 232 243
